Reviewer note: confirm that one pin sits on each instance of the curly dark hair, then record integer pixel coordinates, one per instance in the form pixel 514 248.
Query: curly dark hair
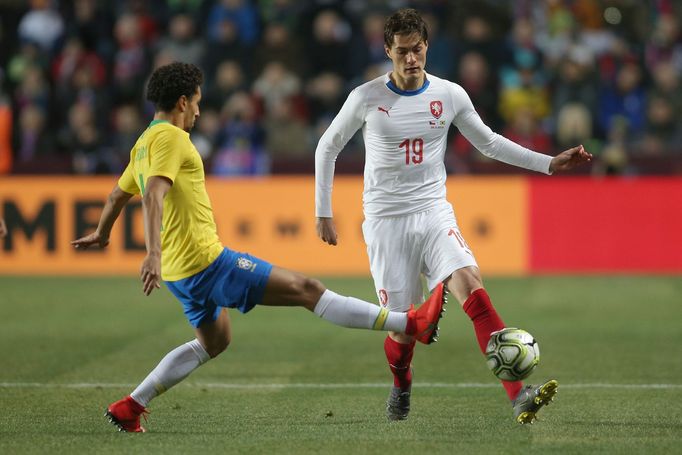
pixel 169 82
pixel 405 21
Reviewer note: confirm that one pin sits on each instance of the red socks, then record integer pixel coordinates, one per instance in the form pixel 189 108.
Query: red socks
pixel 481 311
pixel 486 321
pixel 399 357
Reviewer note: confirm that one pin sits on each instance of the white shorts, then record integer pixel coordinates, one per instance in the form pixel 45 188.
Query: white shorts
pixel 403 248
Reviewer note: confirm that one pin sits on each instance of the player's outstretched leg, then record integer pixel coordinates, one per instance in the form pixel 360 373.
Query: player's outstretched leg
pixel 287 288
pixel 531 398
pixel 125 415
pixel 423 322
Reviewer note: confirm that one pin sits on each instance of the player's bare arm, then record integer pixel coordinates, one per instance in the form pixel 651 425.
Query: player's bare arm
pixel 112 209
pixel 326 230
pixel 3 228
pixel 152 209
pixel 569 159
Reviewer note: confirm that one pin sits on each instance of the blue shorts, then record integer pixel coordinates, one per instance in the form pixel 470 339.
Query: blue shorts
pixel 233 280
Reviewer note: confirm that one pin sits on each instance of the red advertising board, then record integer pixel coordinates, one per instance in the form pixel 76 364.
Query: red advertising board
pixel 605 225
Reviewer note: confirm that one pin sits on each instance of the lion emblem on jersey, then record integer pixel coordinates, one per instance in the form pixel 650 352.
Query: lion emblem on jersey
pixel 436 108
pixel 383 297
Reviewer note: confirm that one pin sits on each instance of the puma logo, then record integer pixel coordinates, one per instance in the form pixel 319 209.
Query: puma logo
pixel 384 109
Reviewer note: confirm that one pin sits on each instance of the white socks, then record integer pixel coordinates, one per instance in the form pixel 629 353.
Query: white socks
pixel 173 368
pixel 352 312
pixel 338 309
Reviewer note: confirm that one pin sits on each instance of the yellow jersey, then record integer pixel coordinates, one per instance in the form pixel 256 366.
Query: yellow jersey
pixel 189 238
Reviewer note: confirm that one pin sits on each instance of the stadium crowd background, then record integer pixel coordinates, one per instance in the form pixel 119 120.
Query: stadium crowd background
pixel 547 74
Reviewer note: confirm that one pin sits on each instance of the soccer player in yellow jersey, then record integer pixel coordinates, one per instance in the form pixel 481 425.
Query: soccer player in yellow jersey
pixel 183 250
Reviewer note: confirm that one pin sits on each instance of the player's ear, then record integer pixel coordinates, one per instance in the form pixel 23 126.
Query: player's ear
pixel 182 103
pixel 387 50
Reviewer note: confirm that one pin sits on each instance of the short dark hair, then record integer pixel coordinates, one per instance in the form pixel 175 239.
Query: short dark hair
pixel 169 82
pixel 405 21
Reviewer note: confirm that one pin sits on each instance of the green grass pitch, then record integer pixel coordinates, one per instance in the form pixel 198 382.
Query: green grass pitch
pixel 291 383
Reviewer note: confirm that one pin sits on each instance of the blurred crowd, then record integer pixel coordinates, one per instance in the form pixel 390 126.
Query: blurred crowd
pixel 548 74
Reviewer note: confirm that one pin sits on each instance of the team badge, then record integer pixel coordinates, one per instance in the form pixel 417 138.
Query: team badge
pixel 436 108
pixel 246 264
pixel 383 297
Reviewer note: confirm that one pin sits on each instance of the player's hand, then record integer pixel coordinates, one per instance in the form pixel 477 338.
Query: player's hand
pixel 569 159
pixel 94 239
pixel 326 230
pixel 3 228
pixel 150 273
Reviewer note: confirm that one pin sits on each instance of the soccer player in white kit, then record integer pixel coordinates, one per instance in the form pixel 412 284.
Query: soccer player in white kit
pixel 410 228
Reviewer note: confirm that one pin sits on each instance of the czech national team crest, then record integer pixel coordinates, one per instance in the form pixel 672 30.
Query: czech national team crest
pixel 436 108
pixel 383 297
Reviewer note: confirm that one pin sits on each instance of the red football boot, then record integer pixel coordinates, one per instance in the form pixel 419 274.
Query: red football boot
pixel 423 322
pixel 125 415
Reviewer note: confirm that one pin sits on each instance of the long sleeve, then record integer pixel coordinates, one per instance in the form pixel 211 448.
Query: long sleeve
pixel 349 119
pixel 490 143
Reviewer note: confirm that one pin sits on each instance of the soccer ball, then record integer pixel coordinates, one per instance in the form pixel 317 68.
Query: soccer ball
pixel 512 354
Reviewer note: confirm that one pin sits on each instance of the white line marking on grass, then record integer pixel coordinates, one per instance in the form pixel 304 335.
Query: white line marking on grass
pixel 362 385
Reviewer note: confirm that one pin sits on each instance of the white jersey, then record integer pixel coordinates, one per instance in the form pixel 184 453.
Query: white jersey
pixel 405 134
